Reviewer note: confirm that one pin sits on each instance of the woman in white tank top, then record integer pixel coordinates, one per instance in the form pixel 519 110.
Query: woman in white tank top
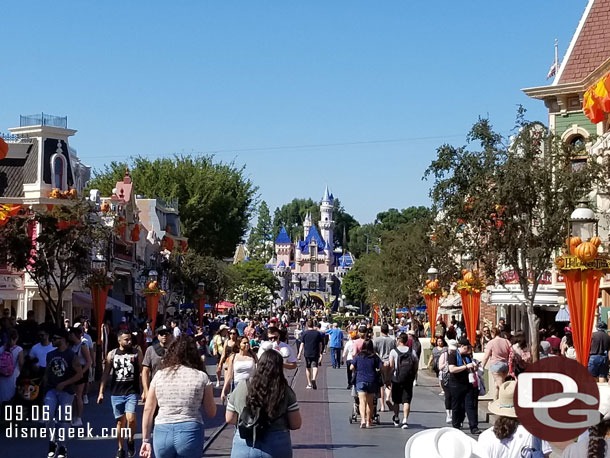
pixel 240 366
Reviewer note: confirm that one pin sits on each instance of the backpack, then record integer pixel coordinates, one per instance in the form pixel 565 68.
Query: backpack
pixel 7 363
pixel 405 366
pixel 252 424
pixel 535 451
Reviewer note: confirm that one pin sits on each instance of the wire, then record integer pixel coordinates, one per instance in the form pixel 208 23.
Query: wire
pixel 292 147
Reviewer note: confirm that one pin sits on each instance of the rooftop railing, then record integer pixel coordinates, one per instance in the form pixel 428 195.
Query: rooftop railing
pixel 43 119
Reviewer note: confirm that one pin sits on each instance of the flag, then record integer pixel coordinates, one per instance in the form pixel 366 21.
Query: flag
pixel 552 70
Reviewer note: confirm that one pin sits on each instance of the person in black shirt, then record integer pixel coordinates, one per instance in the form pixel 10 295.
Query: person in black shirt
pixel 311 345
pixel 125 363
pixel 598 354
pixel 464 394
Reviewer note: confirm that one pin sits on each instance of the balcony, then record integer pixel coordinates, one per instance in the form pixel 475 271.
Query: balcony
pixel 43 119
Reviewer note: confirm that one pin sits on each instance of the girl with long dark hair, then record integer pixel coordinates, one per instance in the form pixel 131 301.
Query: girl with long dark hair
pixel 366 364
pixel 268 393
pixel 179 389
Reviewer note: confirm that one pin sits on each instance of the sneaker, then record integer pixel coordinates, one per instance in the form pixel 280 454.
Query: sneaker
pixel 349 387
pixel 442 393
pixel 396 420
pixel 120 453
pixel 131 449
pixel 314 385
pixel 415 382
pixel 309 387
pixel 217 384
pixel 77 421
pixel 475 431
pixel 52 449
pixel 404 424
pixel 62 452
pixel 448 419
pixel 85 399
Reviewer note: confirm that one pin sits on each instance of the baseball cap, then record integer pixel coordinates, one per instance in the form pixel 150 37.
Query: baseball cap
pixel 60 333
pixel 163 330
pixel 223 327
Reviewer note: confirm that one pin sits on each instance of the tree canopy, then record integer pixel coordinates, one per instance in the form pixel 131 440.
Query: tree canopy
pixel 260 241
pixel 215 199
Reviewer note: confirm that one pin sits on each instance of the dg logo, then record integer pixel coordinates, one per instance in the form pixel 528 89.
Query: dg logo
pixel 557 399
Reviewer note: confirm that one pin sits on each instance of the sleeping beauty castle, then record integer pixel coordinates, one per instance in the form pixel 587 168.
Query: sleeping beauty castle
pixel 310 269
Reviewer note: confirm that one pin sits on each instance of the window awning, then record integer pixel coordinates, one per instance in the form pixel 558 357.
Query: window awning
pixel 513 295
pixel 84 300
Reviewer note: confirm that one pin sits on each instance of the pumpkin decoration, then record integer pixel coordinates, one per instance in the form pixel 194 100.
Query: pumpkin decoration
pixel 586 251
pixel 73 193
pixel 560 262
pixel 596 241
pixel 55 194
pixel 469 278
pixel 574 242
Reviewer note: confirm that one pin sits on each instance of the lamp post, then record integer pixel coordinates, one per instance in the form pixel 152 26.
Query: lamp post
pixel 582 270
pixel 470 288
pixel 201 301
pixel 432 293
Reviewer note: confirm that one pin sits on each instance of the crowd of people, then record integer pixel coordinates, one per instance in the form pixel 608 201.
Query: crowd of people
pixel 166 369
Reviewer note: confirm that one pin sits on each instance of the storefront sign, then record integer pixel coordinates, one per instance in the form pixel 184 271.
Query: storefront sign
pixel 11 282
pixel 574 263
pixel 510 277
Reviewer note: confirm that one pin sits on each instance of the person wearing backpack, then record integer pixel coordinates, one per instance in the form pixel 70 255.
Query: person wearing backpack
pixel 403 362
pixel 11 362
pixel 464 390
pixel 265 410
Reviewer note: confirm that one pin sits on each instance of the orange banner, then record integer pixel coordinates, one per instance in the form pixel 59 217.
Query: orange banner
pixel 432 304
pixel 596 100
pixel 152 307
pixel 471 304
pixel 582 289
pixel 99 295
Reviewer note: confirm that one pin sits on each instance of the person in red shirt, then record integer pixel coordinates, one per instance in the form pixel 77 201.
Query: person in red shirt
pixel 357 345
pixel 554 341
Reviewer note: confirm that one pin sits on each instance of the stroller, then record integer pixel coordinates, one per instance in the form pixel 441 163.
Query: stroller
pixel 355 416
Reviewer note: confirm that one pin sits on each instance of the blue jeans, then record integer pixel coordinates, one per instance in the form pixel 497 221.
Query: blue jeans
pixel 335 356
pixel 178 440
pixel 60 412
pixel 275 444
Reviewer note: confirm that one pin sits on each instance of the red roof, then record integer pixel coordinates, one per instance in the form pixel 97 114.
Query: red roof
pixel 123 188
pixel 591 46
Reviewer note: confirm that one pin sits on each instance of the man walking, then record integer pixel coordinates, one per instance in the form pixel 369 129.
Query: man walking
pixel 153 357
pixel 125 363
pixel 403 363
pixel 383 345
pixel 63 370
pixel 311 345
pixel 598 354
pixel 335 344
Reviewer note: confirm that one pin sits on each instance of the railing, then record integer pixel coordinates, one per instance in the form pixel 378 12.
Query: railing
pixel 43 120
pixel 12 138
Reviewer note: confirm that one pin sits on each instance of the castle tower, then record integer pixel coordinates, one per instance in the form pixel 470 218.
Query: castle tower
pixel 307 225
pixel 327 224
pixel 283 247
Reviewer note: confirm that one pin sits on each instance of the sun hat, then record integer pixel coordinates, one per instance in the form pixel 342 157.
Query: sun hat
pixel 504 405
pixel 442 443
pixel 223 327
pixel 452 344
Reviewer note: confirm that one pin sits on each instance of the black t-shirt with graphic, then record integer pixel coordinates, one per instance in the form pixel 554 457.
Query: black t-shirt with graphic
pixel 125 372
pixel 59 369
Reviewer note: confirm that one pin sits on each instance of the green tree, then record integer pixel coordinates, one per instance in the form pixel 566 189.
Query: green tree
pixel 260 241
pixel 216 199
pixel 354 284
pixel 254 273
pixel 217 276
pixel 344 223
pixel 508 204
pixel 65 241
pixel 292 215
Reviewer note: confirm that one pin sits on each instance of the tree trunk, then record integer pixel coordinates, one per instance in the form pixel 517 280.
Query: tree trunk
pixel 60 309
pixel 533 321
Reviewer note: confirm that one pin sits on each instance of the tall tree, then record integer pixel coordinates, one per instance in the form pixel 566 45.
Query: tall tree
pixel 508 204
pixel 61 254
pixel 216 199
pixel 260 241
pixel 292 215
pixel 344 223
pixel 216 275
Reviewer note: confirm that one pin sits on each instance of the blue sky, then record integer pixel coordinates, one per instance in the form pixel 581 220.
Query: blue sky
pixel 354 94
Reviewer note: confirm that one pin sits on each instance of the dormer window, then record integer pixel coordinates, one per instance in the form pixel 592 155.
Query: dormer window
pixel 59 171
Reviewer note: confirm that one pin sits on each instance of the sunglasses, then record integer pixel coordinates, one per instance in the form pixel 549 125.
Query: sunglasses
pixel 274 337
pixel 233 333
pixel 163 334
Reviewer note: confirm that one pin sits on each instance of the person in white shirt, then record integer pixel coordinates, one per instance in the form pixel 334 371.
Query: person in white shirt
pixel 348 357
pixel 324 326
pixel 42 348
pixel 273 334
pixel 507 438
pixel 175 329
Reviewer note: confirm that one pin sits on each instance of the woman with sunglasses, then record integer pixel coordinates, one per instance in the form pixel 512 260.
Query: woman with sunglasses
pixel 240 366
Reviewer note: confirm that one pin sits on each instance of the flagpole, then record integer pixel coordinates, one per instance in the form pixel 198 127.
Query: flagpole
pixel 556 57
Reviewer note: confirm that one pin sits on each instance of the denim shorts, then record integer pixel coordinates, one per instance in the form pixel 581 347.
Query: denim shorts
pixel 179 440
pixel 366 387
pixel 499 367
pixel 123 404
pixel 598 366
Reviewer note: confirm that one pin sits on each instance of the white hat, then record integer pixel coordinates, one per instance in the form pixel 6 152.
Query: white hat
pixel 443 443
pixel 223 327
pixel 452 344
pixel 504 405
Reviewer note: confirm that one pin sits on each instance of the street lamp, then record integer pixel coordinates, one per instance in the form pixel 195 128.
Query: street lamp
pixel 582 222
pixel 432 274
pixel 152 275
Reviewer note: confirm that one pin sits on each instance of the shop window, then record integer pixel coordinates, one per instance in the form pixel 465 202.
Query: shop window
pixel 59 172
